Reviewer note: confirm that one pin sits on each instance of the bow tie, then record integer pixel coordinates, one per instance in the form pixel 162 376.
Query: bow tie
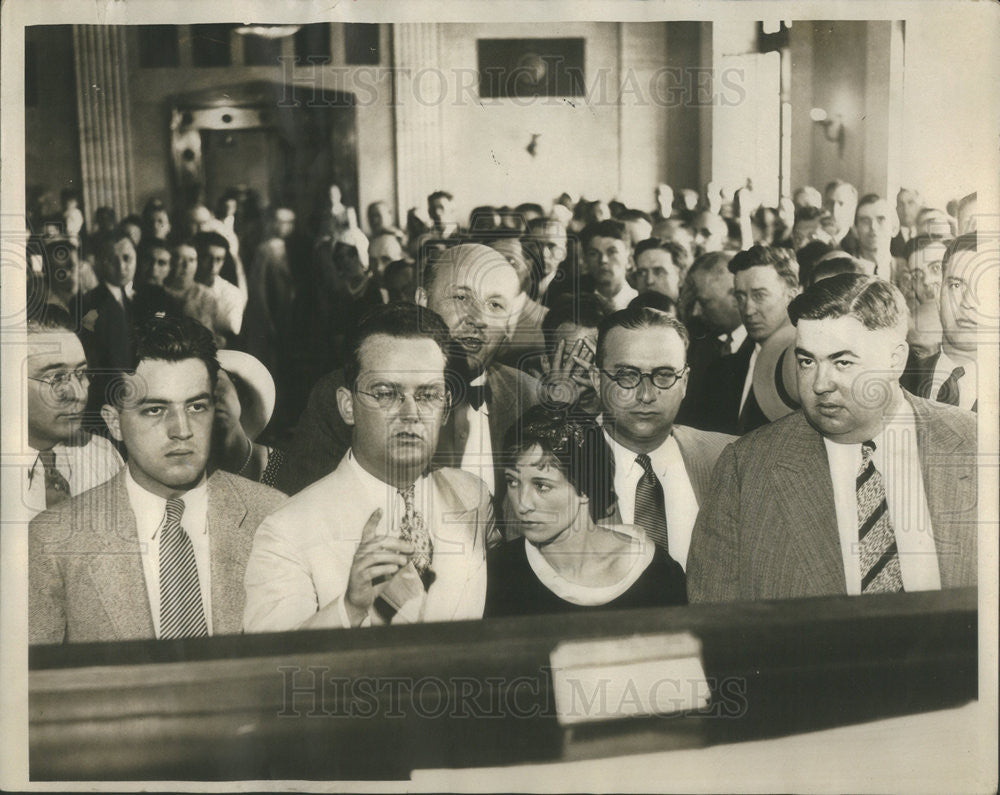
pixel 478 394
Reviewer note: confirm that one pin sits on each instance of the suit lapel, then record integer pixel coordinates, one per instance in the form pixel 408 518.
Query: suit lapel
pixel 226 512
pixel 698 468
pixel 117 571
pixel 802 486
pixel 463 522
pixel 950 487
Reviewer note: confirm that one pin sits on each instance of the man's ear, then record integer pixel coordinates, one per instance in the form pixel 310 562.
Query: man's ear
pixel 345 403
pixel 595 376
pixel 111 418
pixel 899 355
pixel 420 297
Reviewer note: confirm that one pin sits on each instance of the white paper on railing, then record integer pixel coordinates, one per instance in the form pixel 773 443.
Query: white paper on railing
pixel 640 675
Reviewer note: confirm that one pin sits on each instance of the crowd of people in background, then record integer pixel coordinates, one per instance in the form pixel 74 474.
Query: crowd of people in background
pixel 565 378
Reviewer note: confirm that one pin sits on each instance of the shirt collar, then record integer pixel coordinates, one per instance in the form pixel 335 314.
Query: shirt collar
pixel 371 485
pixel 659 458
pixel 149 508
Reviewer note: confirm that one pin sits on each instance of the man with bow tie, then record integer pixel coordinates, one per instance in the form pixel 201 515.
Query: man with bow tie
pixel 383 538
pixel 477 292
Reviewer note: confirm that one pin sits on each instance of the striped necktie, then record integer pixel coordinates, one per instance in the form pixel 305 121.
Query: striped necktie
pixel 649 509
pixel 182 614
pixel 879 558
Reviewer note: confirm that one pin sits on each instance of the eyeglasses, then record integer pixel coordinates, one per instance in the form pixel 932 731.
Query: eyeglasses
pixel 63 379
pixel 661 377
pixel 389 398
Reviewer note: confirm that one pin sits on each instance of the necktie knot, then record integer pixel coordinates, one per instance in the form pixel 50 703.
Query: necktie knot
pixel 647 466
pixel 867 450
pixel 175 510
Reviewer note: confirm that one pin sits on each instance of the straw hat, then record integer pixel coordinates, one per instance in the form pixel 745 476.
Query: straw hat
pixel 256 392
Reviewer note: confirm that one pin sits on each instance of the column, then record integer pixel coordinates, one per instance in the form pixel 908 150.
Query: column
pixel 418 125
pixel 103 113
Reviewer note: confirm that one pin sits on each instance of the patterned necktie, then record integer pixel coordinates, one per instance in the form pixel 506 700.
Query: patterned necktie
pixel 182 614
pixel 413 529
pixel 56 485
pixel 879 558
pixel 649 509
pixel 948 393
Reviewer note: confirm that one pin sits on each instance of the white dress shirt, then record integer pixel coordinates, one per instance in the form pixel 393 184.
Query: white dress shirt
pixel 149 510
pixel 84 466
pixel 622 298
pixel 748 383
pixel 681 505
pixel 967 386
pixel 734 338
pixel 897 460
pixel 477 458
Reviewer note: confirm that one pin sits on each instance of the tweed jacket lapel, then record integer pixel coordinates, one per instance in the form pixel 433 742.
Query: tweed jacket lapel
pixel 116 569
pixel 226 513
pixel 801 484
pixel 699 468
pixel 949 473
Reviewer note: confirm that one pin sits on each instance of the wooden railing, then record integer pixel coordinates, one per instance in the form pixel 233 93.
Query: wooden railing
pixel 378 703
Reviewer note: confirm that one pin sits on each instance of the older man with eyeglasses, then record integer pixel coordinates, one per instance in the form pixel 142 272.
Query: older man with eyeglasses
pixel 382 539
pixel 662 471
pixel 69 460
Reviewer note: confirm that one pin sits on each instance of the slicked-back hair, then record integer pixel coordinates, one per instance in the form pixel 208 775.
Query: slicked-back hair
pixel 920 242
pixel 169 338
pixel 574 444
pixel 585 311
pixel 607 228
pixel 864 201
pixel 48 324
pixel 967 242
pixel 781 259
pixel 403 320
pixel 440 194
pixel 634 319
pixel 678 254
pixel 873 302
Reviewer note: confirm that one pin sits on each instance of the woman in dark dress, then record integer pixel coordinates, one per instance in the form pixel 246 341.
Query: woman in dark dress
pixel 558 495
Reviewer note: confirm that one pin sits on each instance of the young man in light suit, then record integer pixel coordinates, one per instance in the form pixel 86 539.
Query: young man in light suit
pixel 866 489
pixel 383 538
pixel 159 550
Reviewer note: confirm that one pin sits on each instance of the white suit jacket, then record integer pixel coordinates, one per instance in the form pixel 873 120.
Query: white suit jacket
pixel 302 553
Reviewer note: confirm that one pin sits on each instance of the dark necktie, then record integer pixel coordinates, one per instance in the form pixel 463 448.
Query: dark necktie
pixel 56 485
pixel 478 394
pixel 879 558
pixel 182 614
pixel 949 392
pixel 649 508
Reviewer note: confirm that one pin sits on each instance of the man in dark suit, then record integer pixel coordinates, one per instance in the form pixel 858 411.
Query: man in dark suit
pixel 475 289
pixel 662 470
pixel 107 314
pixel 765 280
pixel 158 551
pixel 950 375
pixel 867 489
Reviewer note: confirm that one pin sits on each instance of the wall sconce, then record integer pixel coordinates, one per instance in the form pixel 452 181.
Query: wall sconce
pixel 833 128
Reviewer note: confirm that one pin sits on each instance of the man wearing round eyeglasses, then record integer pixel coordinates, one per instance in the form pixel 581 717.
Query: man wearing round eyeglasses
pixel 68 461
pixel 381 539
pixel 662 471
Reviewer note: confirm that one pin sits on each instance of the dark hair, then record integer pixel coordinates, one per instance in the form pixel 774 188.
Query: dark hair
pixel 833 264
pixel 609 228
pixel 920 242
pixel 400 319
pixel 781 259
pixel 202 242
pixel 807 257
pixel 967 242
pixel 167 338
pixel 837 183
pixel 538 226
pixel 654 300
pixel 586 311
pixel 572 442
pixel 634 215
pixel 808 213
pixel 678 254
pixel 875 303
pixel 633 319
pixel 104 243
pixel 439 194
pixel 864 201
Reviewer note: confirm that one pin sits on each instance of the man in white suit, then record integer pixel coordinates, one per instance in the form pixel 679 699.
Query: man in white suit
pixel 381 539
